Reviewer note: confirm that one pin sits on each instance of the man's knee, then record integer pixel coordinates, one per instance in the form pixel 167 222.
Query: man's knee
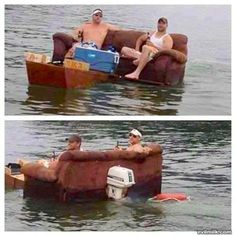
pixel 145 48
pixel 124 50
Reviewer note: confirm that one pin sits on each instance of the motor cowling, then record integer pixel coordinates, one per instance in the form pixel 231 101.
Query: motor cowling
pixel 119 179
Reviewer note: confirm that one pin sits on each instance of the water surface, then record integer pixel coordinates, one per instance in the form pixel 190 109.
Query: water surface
pixel 196 161
pixel 207 87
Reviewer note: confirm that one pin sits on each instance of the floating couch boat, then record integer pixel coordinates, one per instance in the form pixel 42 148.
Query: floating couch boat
pixel 83 175
pixel 166 69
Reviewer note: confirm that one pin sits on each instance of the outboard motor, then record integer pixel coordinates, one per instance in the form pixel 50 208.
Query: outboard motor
pixel 119 179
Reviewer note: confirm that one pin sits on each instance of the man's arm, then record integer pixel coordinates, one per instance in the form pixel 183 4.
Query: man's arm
pixel 140 41
pixel 77 33
pixel 167 43
pixel 113 27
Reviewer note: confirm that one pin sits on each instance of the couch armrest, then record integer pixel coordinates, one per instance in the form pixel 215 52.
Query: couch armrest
pixel 176 55
pixel 155 148
pixel 38 171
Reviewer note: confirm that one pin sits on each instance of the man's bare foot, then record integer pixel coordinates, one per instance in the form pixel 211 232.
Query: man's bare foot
pixel 135 62
pixel 131 76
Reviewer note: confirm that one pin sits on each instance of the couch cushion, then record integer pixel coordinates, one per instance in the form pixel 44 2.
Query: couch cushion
pixel 121 38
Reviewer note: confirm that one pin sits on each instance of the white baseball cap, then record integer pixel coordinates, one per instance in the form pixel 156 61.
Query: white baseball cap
pixel 97 11
pixel 135 132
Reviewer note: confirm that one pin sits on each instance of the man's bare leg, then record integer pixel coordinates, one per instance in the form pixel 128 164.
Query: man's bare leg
pixel 130 53
pixel 144 59
pixel 136 61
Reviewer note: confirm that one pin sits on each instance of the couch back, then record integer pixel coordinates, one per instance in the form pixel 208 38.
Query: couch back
pixel 98 156
pixel 86 173
pixel 88 170
pixel 121 38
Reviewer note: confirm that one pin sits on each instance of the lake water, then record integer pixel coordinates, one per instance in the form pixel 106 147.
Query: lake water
pixel 207 87
pixel 196 161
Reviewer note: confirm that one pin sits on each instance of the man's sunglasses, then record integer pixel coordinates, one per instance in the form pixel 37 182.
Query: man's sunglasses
pixel 132 135
pixel 98 15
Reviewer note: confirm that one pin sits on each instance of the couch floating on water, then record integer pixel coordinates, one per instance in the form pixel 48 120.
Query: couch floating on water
pixel 83 175
pixel 167 67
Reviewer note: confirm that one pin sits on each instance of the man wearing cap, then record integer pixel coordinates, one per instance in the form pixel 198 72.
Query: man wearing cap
pixel 156 41
pixel 90 33
pixel 94 31
pixel 74 143
pixel 135 142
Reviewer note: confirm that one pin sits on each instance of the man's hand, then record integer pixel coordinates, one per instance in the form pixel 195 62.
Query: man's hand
pixel 140 41
pixel 77 33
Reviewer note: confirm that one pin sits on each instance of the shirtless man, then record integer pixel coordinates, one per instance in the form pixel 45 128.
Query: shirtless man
pixel 91 33
pixel 158 40
pixel 135 142
pixel 94 31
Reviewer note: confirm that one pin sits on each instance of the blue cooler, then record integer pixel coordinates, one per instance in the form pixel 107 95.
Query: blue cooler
pixel 100 60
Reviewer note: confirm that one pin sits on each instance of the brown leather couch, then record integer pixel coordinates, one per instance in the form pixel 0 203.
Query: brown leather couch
pixel 167 67
pixel 82 175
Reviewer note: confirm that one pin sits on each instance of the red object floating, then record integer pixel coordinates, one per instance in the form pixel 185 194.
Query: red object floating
pixel 170 196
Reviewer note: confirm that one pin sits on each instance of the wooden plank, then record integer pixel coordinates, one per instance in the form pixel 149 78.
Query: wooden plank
pixel 59 76
pixel 46 74
pixel 35 57
pixel 77 65
pixel 19 181
pixel 14 181
pixel 84 79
